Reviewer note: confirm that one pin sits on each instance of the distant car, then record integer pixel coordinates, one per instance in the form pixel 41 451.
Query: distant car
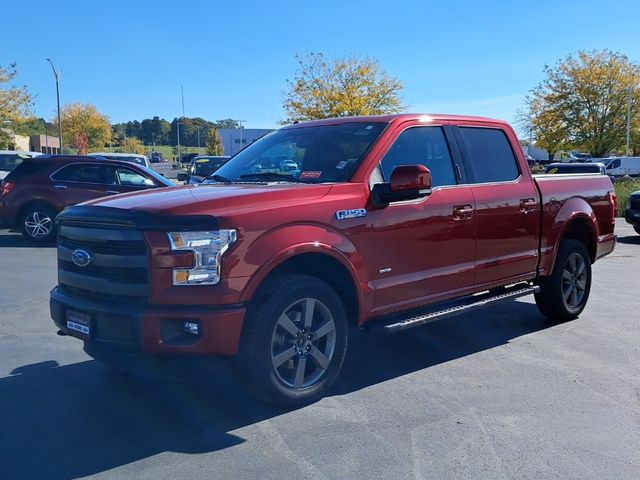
pixel 39 188
pixel 632 211
pixel 530 160
pixel 156 157
pixel 201 167
pixel 10 159
pixel 575 168
pixel 124 157
pixel 185 158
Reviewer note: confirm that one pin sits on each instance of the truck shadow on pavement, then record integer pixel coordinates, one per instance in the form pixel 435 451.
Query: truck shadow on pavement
pixel 62 422
pixel 631 239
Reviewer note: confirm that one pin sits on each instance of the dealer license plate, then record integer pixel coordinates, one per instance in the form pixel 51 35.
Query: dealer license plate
pixel 79 324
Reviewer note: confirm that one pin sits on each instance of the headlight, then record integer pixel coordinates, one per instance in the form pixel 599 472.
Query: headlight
pixel 207 248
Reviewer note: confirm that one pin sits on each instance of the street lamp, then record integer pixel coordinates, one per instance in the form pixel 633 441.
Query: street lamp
pixel 56 74
pixel 241 122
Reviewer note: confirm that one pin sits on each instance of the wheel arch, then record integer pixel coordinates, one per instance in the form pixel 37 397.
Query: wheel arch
pixel 320 261
pixel 576 220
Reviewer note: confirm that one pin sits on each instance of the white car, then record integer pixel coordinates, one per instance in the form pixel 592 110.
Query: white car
pixel 124 157
pixel 10 159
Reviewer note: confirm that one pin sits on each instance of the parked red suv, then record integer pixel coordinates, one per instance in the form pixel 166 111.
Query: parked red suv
pixel 39 188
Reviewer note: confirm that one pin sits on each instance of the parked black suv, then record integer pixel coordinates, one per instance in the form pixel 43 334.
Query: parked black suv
pixel 632 212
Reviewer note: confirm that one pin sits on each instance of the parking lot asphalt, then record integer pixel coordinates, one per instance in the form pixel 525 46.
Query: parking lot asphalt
pixel 499 393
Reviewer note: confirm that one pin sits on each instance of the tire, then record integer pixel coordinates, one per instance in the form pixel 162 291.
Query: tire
pixel 564 294
pixel 37 223
pixel 637 229
pixel 294 340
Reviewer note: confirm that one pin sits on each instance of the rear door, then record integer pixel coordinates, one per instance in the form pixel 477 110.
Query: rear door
pixel 79 182
pixel 507 205
pixel 422 249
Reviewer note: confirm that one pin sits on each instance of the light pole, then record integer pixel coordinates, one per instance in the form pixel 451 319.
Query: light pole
pixel 241 122
pixel 198 127
pixel 178 137
pixel 56 74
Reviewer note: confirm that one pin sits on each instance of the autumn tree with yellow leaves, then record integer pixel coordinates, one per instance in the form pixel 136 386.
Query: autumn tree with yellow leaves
pixel 582 103
pixel 84 122
pixel 346 86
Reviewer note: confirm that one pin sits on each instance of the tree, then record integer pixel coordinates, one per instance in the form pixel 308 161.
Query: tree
pixel 213 144
pixel 84 119
pixel 132 145
pixel 15 102
pixel 81 143
pixel 341 87
pixel 582 102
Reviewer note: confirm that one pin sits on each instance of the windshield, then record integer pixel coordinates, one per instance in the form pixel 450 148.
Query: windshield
pixel 203 167
pixel 9 161
pixel 327 153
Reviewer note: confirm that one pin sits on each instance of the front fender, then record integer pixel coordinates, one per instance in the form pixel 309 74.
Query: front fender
pixel 574 209
pixel 274 247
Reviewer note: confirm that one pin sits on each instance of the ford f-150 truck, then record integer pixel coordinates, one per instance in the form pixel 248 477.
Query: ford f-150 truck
pixel 388 222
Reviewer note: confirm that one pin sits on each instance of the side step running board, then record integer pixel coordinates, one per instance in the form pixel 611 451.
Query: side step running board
pixel 396 323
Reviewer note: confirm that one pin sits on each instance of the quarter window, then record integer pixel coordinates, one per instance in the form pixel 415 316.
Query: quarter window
pixel 421 146
pixel 490 155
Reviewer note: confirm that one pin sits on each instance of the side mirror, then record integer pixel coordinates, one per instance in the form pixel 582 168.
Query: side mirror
pixel 410 178
pixel 182 177
pixel 407 182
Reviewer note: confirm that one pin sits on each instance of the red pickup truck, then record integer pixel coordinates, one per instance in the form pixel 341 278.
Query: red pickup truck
pixel 388 222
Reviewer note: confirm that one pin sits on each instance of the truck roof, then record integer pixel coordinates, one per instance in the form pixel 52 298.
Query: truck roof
pixel 399 117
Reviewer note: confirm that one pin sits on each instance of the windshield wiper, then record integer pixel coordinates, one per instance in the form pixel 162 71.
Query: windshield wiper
pixel 218 178
pixel 273 176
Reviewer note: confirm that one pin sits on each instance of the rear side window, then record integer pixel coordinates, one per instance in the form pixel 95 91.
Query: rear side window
pixel 85 173
pixel 421 146
pixel 490 154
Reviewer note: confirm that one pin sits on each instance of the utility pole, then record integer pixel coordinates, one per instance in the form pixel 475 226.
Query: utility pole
pixel 198 127
pixel 56 74
pixel 241 127
pixel 629 119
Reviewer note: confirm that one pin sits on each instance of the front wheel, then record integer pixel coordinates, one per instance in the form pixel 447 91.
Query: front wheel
pixel 637 229
pixel 294 340
pixel 564 294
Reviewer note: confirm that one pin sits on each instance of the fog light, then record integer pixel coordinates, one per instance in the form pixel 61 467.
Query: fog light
pixel 191 327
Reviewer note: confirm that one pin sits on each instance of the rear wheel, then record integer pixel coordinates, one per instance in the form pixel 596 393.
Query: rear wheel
pixel 564 294
pixel 37 223
pixel 294 340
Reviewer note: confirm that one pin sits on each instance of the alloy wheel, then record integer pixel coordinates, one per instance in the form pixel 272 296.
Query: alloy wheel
pixel 38 224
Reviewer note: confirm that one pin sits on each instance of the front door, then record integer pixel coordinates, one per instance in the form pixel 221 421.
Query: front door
pixel 424 249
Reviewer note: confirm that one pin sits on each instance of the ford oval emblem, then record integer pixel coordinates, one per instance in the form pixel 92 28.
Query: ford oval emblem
pixel 81 258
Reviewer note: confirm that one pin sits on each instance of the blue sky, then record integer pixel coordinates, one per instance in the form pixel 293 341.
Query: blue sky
pixel 130 58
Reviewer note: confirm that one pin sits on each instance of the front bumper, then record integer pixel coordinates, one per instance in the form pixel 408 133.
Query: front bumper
pixel 632 216
pixel 134 330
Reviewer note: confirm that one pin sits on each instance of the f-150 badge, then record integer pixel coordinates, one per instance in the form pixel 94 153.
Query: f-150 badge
pixel 353 213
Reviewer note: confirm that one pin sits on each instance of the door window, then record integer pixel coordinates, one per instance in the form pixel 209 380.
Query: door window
pixel 132 179
pixel 421 146
pixel 84 173
pixel 490 154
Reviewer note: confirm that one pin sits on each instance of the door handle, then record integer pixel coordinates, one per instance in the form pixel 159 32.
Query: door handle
pixel 463 212
pixel 60 187
pixel 528 205
pixel 112 192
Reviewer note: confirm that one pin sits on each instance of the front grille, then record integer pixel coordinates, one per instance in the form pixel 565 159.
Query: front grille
pixel 118 266
pixel 124 247
pixel 113 274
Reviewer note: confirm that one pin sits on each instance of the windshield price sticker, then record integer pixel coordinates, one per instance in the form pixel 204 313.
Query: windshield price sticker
pixel 310 174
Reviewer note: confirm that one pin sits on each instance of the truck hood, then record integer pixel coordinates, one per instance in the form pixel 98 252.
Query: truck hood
pixel 216 199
